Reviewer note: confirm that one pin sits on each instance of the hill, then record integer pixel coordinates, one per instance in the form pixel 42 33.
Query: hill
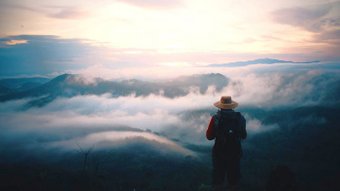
pixel 69 85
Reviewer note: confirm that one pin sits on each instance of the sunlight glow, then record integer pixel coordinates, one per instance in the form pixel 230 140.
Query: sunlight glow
pixel 15 42
pixel 155 29
pixel 193 26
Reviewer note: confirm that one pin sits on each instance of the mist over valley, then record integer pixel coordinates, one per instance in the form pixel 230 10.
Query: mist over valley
pixel 92 133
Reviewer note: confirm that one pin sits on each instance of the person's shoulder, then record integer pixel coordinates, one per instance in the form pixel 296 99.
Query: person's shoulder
pixel 239 114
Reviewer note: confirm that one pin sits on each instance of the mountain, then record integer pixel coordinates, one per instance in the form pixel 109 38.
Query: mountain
pixel 69 85
pixel 257 61
pixel 21 84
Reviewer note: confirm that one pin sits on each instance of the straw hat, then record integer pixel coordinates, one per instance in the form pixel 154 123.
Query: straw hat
pixel 226 103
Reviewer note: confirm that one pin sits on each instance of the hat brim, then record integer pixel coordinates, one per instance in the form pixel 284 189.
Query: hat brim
pixel 220 105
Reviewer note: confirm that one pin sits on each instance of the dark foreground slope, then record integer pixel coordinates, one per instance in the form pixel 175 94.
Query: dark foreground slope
pixel 140 165
pixel 306 139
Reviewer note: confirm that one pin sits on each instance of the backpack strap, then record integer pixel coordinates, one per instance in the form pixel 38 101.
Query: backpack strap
pixel 217 117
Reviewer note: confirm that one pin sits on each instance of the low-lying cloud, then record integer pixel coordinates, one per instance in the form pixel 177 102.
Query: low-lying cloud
pixel 104 121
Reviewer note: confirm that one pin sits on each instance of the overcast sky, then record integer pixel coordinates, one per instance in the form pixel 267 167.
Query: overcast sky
pixel 65 35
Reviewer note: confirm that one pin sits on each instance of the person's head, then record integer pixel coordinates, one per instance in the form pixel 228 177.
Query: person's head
pixel 226 103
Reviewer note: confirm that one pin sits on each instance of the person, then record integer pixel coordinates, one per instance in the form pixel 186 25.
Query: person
pixel 227 127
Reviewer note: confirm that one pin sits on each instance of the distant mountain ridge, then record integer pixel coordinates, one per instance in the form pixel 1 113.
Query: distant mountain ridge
pixel 69 85
pixel 258 61
pixel 20 84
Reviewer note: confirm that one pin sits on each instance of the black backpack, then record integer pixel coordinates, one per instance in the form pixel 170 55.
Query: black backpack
pixel 227 130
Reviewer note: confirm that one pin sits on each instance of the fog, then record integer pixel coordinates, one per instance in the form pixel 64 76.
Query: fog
pixel 103 120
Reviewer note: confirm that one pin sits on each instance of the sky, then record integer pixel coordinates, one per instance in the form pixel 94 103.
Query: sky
pixel 59 36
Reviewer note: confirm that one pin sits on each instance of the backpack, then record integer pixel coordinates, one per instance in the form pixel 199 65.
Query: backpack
pixel 227 131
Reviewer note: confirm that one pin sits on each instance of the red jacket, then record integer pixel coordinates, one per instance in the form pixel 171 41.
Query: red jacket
pixel 210 133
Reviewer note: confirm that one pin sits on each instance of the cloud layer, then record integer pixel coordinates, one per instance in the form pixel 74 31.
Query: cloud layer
pixel 41 55
pixel 105 121
pixel 322 20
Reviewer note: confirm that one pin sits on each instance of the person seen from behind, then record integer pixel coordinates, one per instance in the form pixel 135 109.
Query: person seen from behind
pixel 228 128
